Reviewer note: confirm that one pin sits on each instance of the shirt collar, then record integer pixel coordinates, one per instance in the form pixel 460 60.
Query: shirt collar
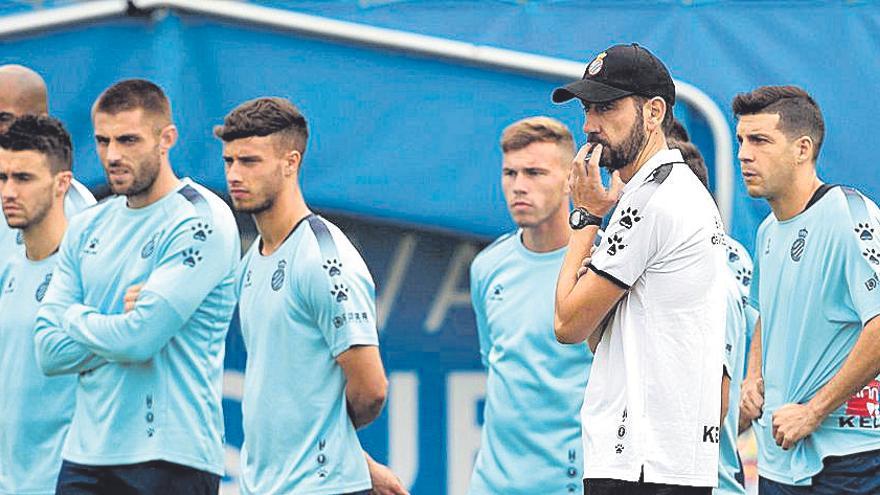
pixel 644 173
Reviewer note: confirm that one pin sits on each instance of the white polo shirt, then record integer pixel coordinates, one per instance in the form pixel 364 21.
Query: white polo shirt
pixel 653 402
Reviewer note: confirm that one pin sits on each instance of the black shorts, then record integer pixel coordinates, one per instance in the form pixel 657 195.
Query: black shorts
pixel 145 478
pixel 602 486
pixel 853 474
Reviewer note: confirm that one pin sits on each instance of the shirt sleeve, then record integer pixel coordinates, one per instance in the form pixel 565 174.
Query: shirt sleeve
pixel 754 301
pixel 478 302
pixel 861 252
pixel 57 353
pixel 629 245
pixel 734 331
pixel 342 299
pixel 187 271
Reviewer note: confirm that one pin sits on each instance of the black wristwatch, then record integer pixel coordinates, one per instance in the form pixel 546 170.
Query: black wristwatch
pixel 580 218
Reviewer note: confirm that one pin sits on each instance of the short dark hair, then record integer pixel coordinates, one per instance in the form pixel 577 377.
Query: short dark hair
pixel 132 94
pixel 43 134
pixel 694 159
pixel 678 132
pixel 799 114
pixel 265 117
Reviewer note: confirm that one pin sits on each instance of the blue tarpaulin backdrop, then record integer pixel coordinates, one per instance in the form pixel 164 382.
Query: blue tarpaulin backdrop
pixel 412 140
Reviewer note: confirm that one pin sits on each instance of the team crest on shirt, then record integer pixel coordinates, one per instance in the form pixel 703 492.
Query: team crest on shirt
pixel 19 238
pixel 615 244
pixel 797 247
pixel 150 247
pixel 278 275
pixel 42 288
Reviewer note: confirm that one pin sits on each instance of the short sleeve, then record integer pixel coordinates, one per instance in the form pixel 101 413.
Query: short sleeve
pixel 860 245
pixel 628 246
pixel 342 298
pixel 191 265
pixel 478 302
pixel 734 332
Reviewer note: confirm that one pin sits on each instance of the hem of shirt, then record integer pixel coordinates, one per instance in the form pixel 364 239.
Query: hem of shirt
pixel 808 479
pixel 356 341
pixel 670 479
pixel 329 490
pixel 117 460
pixel 611 278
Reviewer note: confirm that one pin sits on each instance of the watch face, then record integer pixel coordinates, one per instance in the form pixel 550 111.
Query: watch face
pixel 577 218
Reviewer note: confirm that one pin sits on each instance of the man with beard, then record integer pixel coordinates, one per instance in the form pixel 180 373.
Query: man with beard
pixel 307 309
pixel 35 175
pixel 24 93
pixel 531 435
pixel 652 304
pixel 812 387
pixel 139 305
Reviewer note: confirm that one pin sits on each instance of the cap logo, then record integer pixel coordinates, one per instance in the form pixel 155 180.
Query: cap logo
pixel 596 65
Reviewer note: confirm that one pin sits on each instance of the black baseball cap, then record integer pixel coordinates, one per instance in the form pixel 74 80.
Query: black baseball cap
pixel 619 71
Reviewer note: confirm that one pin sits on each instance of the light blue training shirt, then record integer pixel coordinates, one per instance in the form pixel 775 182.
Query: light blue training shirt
pixel 36 410
pixel 300 308
pixel 816 286
pixel 150 380
pixel 531 438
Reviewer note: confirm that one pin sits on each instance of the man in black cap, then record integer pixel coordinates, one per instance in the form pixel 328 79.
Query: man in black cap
pixel 652 303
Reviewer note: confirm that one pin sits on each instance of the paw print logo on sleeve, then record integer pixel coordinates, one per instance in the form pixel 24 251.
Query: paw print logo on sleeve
pixel 340 292
pixel 629 217
pixel 865 231
pixel 333 267
pixel 872 255
pixel 191 257
pixel 615 244
pixel 201 231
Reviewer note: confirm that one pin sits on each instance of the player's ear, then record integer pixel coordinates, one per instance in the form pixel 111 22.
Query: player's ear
pixel 167 138
pixel 654 113
pixel 803 149
pixel 62 182
pixel 293 160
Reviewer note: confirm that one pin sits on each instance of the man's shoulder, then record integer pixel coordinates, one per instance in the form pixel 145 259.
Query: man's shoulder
pixel 496 252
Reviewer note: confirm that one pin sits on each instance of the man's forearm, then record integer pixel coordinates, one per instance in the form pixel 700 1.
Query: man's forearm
pixel 579 245
pixel 755 363
pixel 860 367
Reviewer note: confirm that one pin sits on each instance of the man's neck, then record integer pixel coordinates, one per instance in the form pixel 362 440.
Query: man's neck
pixel 549 235
pixel 655 143
pixel 165 182
pixel 276 223
pixel 42 240
pixel 794 199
